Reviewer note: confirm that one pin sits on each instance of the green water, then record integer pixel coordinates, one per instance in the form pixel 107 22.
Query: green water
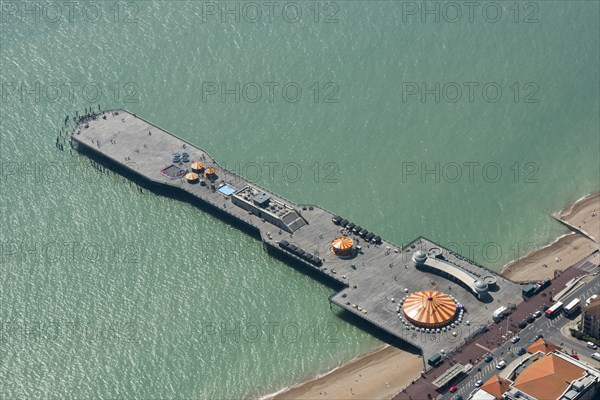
pixel 109 292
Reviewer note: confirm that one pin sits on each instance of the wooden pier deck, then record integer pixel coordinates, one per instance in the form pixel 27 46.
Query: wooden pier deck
pixel 372 277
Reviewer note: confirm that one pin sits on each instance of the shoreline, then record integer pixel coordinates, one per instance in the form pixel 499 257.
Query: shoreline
pixel 565 250
pixel 372 375
pixel 321 375
pixel 369 375
pixel 584 210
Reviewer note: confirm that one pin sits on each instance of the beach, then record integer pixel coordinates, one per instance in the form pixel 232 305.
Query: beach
pixel 567 249
pixel 378 375
pixel 583 215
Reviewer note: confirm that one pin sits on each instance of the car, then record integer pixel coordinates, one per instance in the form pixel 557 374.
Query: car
pixel 515 339
pixel 521 351
pixel 588 301
pixel 537 314
pixel 457 397
pixel 453 389
pixel 596 356
pixel 545 308
pixel 501 364
pixel 591 345
pixel 530 319
pixel 522 324
pixel 479 383
pixel 489 358
pixel 538 336
pixel 575 356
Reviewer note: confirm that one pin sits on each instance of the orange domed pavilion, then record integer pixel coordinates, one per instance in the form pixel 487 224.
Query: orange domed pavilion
pixel 342 246
pixel 429 309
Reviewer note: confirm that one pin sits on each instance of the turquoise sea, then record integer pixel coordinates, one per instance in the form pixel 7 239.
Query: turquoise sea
pixel 469 130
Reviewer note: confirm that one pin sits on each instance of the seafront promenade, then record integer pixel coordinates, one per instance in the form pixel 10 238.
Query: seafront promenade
pixel 374 276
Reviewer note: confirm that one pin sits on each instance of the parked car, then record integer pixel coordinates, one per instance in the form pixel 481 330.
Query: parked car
pixel 479 383
pixel 515 339
pixel 591 345
pixel 501 364
pixel 530 319
pixel 545 308
pixel 588 301
pixel 522 324
pixel 538 336
pixel 453 389
pixel 537 314
pixel 575 356
pixel 489 358
pixel 457 397
pixel 596 356
pixel 521 351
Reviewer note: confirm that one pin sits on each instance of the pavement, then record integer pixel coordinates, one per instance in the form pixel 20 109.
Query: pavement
pixel 496 341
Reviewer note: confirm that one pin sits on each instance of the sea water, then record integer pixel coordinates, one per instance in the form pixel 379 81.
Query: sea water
pixel 467 126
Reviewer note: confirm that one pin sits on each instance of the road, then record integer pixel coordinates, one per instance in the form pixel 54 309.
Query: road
pixel 571 344
pixel 507 350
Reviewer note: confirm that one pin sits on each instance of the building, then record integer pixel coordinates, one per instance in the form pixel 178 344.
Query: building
pixel 548 378
pixel 429 309
pixel 543 345
pixel 269 208
pixel 495 386
pixel 442 267
pixel 590 318
pixel 551 376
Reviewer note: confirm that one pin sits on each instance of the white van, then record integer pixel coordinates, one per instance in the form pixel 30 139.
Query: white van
pixel 588 301
pixel 596 356
pixel 591 345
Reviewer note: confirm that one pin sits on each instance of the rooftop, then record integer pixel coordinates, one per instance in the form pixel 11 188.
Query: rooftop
pixel 593 308
pixel 496 386
pixel 543 345
pixel 548 377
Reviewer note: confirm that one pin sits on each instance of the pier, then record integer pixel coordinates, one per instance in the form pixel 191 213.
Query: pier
pixel 374 274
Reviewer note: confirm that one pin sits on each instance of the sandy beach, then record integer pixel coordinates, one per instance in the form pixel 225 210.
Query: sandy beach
pixel 541 264
pixel 378 375
pixel 566 250
pixel 583 215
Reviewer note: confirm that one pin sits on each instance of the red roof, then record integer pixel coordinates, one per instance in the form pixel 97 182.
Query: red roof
pixel 548 377
pixel 542 345
pixel 496 386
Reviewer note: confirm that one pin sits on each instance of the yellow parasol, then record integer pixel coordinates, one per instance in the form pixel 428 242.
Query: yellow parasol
pixel 197 166
pixel 191 176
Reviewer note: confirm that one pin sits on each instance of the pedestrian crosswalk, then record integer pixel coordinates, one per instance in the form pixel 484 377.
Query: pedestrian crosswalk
pixel 487 369
pixel 554 322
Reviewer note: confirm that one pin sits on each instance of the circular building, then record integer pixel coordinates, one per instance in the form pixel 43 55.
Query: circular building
pixel 480 286
pixel 491 281
pixel 342 246
pixel 419 257
pixel 429 309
